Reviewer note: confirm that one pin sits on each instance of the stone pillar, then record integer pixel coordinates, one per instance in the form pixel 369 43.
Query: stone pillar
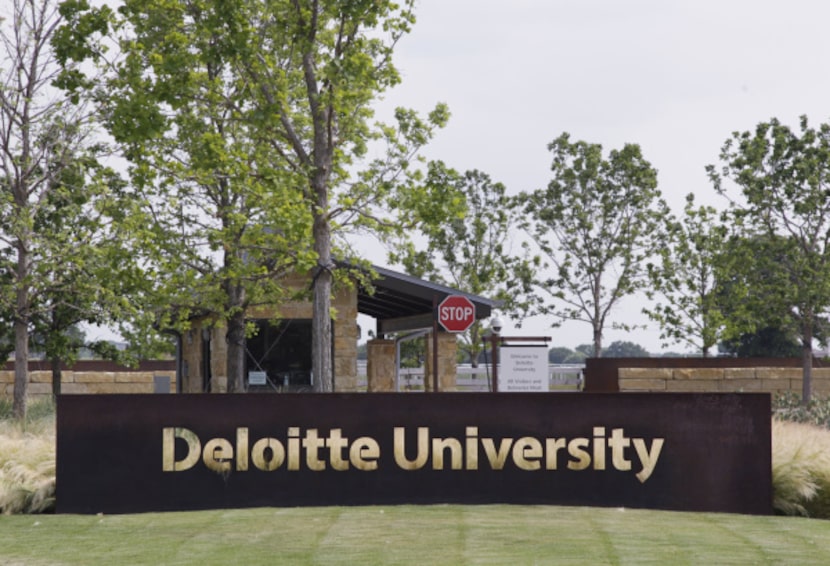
pixel 192 361
pixel 345 341
pixel 380 365
pixel 219 360
pixel 447 352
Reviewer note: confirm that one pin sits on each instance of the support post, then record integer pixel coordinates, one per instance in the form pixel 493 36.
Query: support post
pixel 434 344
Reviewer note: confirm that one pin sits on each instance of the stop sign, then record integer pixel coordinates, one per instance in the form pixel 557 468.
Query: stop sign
pixel 456 313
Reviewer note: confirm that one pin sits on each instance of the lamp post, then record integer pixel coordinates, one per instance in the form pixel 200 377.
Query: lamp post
pixel 495 338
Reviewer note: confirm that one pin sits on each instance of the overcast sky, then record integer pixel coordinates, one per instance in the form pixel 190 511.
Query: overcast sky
pixel 675 77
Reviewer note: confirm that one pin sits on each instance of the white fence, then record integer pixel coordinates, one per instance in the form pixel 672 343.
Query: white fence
pixel 563 377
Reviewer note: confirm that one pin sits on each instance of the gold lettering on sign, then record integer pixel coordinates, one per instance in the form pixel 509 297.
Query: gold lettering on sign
pixel 527 451
pixel 168 449
pixel 421 453
pixel 275 457
pixel 317 451
pixel 364 454
pixel 218 455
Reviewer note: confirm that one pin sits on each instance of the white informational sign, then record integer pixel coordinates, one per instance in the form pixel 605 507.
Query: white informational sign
pixel 523 369
pixel 257 378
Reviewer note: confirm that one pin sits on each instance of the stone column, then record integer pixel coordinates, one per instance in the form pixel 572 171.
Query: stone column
pixel 447 351
pixel 345 341
pixel 380 365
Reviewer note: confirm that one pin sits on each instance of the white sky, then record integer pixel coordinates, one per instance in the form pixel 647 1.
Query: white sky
pixel 675 77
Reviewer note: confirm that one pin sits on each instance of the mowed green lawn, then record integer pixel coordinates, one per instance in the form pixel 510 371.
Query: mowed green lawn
pixel 439 534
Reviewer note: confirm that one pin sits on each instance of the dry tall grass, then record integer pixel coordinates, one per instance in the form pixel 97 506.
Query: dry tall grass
pixel 27 465
pixel 801 469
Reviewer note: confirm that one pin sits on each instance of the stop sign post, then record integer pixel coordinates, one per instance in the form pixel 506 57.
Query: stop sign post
pixel 456 313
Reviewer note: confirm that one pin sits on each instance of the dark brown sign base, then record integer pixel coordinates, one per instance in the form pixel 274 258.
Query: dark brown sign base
pixel 137 453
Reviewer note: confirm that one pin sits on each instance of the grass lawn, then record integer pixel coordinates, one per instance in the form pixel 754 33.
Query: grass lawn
pixel 441 534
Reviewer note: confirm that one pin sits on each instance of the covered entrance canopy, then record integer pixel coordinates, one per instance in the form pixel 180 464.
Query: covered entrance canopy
pixel 402 303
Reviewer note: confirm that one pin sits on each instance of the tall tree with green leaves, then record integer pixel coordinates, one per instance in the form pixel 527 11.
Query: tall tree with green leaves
pixel 98 280
pixel 213 213
pixel 248 128
pixel 783 176
pixel 47 155
pixel 756 324
pixel 318 68
pixel 472 253
pixel 685 278
pixel 597 225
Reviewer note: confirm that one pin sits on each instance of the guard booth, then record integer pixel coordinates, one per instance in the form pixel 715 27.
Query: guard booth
pixel 279 355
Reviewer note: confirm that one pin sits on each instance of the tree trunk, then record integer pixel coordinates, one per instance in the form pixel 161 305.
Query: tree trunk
pixel 321 345
pixel 57 376
pixel 235 363
pixel 806 364
pixel 597 342
pixel 21 335
pixel 21 367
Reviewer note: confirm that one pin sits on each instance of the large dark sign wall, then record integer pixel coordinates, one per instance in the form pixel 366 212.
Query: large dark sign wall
pixel 133 453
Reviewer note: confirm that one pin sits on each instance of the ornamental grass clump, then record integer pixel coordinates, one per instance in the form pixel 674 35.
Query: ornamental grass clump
pixel 27 462
pixel 801 469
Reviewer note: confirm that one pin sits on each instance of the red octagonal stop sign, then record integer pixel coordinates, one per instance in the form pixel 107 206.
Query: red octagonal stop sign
pixel 456 313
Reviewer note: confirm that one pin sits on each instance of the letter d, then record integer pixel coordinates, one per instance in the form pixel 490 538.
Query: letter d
pixel 168 449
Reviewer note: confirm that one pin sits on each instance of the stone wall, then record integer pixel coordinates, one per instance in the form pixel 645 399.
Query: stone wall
pixel 91 377
pixel 755 380
pixel 756 375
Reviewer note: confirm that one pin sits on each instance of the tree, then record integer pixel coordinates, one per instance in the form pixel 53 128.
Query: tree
pixel 318 67
pixel 686 278
pixel 784 179
pixel 213 213
pixel 47 156
pixel 624 349
pixel 597 224
pixel 586 349
pixel 245 123
pixel 757 323
pixel 768 342
pixel 471 253
pixel 558 354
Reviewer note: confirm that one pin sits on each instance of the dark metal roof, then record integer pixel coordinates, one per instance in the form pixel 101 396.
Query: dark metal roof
pixel 402 302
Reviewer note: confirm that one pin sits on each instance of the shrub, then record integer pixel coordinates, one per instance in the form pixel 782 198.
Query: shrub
pixel 27 460
pixel 788 407
pixel 801 456
pixel 800 469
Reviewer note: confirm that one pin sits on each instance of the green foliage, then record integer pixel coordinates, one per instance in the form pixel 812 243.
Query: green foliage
pixel 39 412
pixel 558 354
pixel 585 349
pixel 785 214
pixel 768 342
pixel 788 407
pixel 63 262
pixel 686 279
pixel 248 128
pixel 470 250
pixel 624 349
pixel 597 224
pixel 413 353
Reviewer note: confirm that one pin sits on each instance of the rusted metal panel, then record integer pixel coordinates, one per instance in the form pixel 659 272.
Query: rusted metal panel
pixel 133 453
